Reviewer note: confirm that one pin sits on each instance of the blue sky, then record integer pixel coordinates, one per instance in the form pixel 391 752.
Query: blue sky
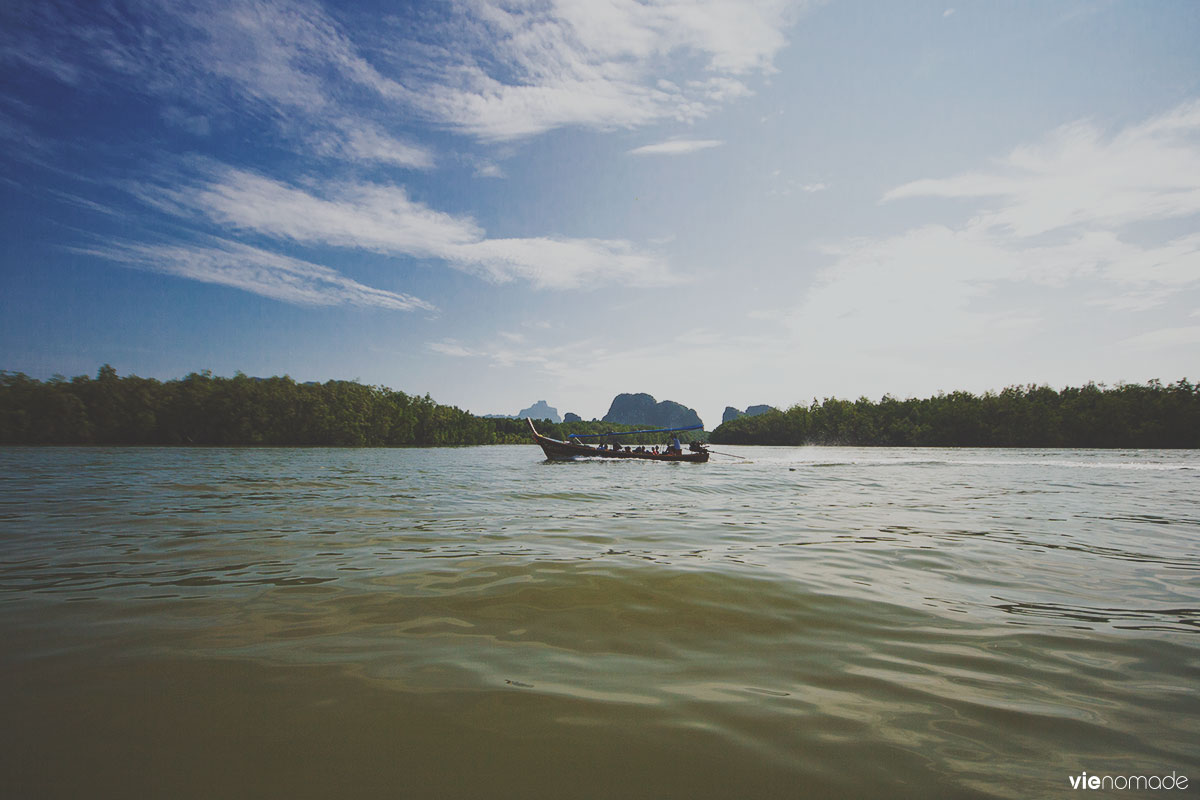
pixel 717 202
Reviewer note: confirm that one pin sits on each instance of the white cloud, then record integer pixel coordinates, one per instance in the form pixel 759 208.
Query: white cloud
pixel 290 56
pixel 1055 230
pixel 556 263
pixel 258 271
pixel 287 62
pixel 524 69
pixel 720 90
pixel 358 140
pixel 675 147
pixel 907 292
pixel 383 219
pixel 366 216
pixel 553 359
pixel 499 69
pixel 294 60
pixel 449 347
pixel 487 169
pixel 1078 177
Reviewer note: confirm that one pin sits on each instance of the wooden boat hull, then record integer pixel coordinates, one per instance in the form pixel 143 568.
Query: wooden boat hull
pixel 557 450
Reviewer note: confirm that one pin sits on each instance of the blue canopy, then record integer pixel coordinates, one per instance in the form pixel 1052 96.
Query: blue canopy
pixel 627 433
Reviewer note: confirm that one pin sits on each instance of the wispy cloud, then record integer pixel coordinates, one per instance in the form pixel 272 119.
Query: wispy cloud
pixel 487 169
pixel 556 359
pixel 520 70
pixel 490 68
pixel 675 147
pixel 258 271
pixel 498 70
pixel 295 61
pixel 289 63
pixel 1079 177
pixel 1063 204
pixel 359 140
pixel 1057 215
pixel 449 347
pixel 382 218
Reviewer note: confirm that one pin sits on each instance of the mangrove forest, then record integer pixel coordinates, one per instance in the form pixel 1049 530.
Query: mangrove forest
pixel 202 409
pixel 1152 415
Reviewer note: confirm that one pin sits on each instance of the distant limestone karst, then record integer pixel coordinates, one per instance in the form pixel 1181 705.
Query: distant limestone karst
pixel 732 413
pixel 539 410
pixel 570 417
pixel 643 409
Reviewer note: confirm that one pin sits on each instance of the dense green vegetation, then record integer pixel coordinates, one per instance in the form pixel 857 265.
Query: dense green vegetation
pixel 205 410
pixel 1128 415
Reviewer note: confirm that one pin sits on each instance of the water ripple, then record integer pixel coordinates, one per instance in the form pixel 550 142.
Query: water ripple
pixel 861 623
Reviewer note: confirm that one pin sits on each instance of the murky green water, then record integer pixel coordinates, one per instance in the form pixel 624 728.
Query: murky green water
pixel 476 622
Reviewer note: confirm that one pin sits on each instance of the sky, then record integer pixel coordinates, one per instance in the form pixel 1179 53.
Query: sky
pixel 718 202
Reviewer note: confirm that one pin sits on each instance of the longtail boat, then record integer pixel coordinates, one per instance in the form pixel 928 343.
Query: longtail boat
pixel 558 450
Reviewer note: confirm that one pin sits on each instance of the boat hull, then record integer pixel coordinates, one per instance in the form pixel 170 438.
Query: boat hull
pixel 557 450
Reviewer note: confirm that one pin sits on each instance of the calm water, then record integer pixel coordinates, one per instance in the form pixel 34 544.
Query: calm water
pixel 477 622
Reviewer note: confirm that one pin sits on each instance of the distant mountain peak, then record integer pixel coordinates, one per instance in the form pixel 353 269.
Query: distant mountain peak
pixel 642 409
pixel 540 410
pixel 732 413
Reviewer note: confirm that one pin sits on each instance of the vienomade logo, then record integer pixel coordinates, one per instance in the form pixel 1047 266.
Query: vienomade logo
pixel 1122 782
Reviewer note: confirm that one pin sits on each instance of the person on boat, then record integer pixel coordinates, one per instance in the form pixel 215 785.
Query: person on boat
pixel 675 447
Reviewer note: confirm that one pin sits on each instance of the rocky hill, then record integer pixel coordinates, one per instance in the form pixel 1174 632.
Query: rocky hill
pixel 539 410
pixel 732 413
pixel 643 409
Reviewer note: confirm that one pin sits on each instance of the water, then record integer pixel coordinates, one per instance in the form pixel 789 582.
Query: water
pixel 477 622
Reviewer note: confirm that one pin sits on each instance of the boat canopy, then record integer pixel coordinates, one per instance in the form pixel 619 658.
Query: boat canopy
pixel 629 433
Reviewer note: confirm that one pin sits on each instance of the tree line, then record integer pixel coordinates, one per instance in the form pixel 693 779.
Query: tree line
pixel 201 409
pixel 1124 416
